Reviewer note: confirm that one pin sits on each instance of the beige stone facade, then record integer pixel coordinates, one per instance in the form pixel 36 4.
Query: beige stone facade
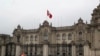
pixel 80 39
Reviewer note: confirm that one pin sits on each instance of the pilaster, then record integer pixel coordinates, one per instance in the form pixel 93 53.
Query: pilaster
pixel 45 50
pixel 3 49
pixel 86 50
pixel 92 53
pixel 73 50
pixel 18 50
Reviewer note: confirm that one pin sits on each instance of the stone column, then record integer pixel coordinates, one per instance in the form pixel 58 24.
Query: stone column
pixel 86 50
pixel 92 53
pixel 18 50
pixel 45 50
pixel 73 50
pixel 3 50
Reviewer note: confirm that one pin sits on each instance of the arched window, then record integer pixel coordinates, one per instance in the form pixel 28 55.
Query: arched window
pixel 63 36
pixel 58 36
pixel 80 34
pixel 69 36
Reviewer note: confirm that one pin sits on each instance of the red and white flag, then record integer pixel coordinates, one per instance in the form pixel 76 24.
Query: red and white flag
pixel 49 14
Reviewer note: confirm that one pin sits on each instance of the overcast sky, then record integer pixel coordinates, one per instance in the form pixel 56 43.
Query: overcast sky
pixel 30 13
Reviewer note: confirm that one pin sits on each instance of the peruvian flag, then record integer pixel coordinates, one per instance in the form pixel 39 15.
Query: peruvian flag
pixel 49 14
pixel 23 54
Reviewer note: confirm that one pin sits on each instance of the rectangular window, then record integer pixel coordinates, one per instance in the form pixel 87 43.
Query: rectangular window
pixel 80 50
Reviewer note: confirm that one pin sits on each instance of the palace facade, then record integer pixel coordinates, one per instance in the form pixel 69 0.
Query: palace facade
pixel 80 39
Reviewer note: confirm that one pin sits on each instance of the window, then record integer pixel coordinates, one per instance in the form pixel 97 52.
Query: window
pixel 45 34
pixel 52 50
pixel 31 38
pixel 58 36
pixel 28 49
pixel 26 38
pixel 80 34
pixel 10 49
pixel 7 40
pixel 80 50
pixel 69 49
pixel 64 54
pixel 18 38
pixel 36 38
pixel 69 36
pixel 58 49
pixel 63 36
pixel 64 48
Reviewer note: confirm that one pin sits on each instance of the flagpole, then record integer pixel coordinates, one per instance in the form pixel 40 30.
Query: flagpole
pixel 61 22
pixel 47 16
pixel 58 22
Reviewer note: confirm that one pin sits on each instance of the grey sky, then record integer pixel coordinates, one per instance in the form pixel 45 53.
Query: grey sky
pixel 30 13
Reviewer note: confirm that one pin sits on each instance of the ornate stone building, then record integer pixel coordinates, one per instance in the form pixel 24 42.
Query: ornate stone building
pixel 80 39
